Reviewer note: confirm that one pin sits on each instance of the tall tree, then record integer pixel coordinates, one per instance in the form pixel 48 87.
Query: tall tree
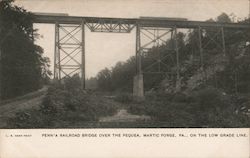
pixel 22 64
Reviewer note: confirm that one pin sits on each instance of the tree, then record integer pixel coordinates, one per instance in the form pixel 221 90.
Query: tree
pixel 22 63
pixel 223 17
pixel 104 80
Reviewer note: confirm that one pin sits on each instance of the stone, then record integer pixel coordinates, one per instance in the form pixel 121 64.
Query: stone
pixel 138 87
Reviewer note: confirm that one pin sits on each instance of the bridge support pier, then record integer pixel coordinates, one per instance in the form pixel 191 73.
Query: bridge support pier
pixel 138 88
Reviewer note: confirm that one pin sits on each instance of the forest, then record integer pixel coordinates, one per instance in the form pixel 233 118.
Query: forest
pixel 23 68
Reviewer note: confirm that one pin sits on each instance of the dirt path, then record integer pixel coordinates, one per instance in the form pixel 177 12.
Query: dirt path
pixel 123 116
pixel 32 101
pixel 29 101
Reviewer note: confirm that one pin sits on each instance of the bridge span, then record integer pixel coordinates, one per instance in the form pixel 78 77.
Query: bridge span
pixel 144 22
pixel 70 40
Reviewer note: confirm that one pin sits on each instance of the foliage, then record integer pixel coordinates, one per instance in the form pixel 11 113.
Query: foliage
pixel 23 68
pixel 207 107
pixel 104 80
pixel 30 119
pixel 124 98
pixel 73 84
pixel 235 77
pixel 65 102
pixel 91 83
pixel 119 78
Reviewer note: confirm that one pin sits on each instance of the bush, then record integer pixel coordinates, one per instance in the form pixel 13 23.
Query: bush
pixel 31 119
pixel 73 84
pixel 207 107
pixel 137 109
pixel 214 108
pixel 53 102
pixel 176 115
pixel 159 96
pixel 180 97
pixel 65 103
pixel 124 98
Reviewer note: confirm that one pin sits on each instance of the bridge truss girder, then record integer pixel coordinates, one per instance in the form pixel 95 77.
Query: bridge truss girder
pixel 118 26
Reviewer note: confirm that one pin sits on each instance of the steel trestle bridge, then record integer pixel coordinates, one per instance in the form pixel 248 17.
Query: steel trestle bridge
pixel 70 40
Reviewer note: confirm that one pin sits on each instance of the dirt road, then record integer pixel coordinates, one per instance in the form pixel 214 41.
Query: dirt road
pixel 33 100
pixel 29 101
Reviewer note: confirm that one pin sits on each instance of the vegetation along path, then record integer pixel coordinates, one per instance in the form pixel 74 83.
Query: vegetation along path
pixel 10 107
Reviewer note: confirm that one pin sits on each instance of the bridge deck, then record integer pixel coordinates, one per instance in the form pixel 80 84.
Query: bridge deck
pixel 52 19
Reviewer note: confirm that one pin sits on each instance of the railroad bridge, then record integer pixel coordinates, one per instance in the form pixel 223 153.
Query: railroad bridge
pixel 69 54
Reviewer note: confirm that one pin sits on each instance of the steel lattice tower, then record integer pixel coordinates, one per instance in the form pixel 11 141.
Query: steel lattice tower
pixel 69 51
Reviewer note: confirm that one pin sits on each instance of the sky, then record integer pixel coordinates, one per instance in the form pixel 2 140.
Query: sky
pixel 106 49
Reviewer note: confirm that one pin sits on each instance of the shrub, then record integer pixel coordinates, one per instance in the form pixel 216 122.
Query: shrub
pixel 69 102
pixel 176 115
pixel 180 97
pixel 159 96
pixel 53 102
pixel 31 119
pixel 206 107
pixel 209 99
pixel 137 109
pixel 124 98
pixel 73 84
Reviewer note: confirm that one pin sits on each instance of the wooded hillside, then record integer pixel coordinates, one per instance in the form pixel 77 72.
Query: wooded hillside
pixel 23 68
